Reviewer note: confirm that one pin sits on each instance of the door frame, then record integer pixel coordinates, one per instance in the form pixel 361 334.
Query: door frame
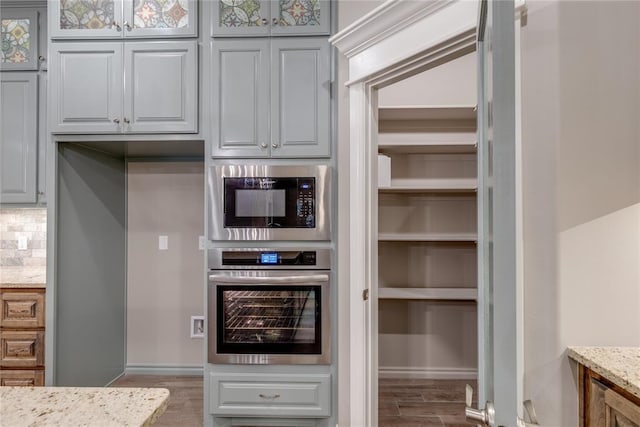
pixel 395 41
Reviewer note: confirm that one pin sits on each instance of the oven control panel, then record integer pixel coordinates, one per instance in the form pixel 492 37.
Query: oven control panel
pixel 269 258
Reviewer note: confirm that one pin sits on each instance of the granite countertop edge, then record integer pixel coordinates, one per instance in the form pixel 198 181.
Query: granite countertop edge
pixel 21 285
pixel 620 365
pixel 64 406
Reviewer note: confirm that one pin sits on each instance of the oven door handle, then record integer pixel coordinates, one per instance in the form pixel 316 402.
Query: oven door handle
pixel 222 278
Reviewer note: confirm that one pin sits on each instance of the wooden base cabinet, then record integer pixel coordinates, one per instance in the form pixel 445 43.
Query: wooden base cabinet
pixel 604 404
pixel 22 337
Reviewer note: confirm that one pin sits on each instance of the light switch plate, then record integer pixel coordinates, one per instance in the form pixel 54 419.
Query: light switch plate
pixel 201 243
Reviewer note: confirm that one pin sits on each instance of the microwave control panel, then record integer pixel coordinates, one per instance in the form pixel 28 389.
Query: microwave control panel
pixel 305 210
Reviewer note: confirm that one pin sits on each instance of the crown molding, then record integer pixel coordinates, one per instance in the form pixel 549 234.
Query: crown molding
pixel 384 21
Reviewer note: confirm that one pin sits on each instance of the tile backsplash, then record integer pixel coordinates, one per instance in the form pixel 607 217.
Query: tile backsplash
pixel 23 224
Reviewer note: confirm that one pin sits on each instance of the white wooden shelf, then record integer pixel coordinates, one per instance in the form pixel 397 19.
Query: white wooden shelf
pixel 428 147
pixel 436 294
pixel 451 185
pixel 427 237
pixel 427 112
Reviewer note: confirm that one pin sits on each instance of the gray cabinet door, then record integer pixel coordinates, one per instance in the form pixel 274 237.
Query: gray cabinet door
pixel 19 144
pixel 86 87
pixel 19 32
pixel 240 98
pixel 300 98
pixel 270 18
pixel 160 90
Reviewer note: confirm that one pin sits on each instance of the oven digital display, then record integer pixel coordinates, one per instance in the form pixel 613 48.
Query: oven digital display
pixel 269 258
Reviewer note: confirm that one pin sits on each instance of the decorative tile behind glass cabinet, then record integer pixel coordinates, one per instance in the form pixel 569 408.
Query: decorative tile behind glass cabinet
pixel 86 14
pixel 232 18
pixel 299 13
pixel 241 13
pixel 16 47
pixel 161 14
pixel 19 33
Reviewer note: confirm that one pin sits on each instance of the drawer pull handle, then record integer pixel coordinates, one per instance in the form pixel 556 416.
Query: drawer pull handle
pixel 271 397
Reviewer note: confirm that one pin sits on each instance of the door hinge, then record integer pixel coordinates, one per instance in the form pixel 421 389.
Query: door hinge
pixel 365 294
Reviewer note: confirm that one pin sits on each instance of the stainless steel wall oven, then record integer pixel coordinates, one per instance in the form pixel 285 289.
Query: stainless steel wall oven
pixel 269 202
pixel 269 306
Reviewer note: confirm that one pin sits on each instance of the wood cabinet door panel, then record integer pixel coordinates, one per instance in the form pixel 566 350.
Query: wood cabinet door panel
pixel 22 309
pixel 22 378
pixel 21 348
pixel 619 411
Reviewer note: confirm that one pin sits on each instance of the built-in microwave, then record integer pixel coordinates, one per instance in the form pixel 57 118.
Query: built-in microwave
pixel 269 202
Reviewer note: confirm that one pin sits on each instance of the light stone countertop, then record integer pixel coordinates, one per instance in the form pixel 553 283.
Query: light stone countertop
pixel 620 365
pixel 81 406
pixel 23 277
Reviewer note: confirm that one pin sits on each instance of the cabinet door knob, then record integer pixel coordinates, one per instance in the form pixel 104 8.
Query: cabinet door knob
pixel 127 26
pixel 275 145
pixel 41 58
pixel 116 121
pixel 263 145
pixel 274 21
pixel 115 24
pixel 127 121
pixel 264 21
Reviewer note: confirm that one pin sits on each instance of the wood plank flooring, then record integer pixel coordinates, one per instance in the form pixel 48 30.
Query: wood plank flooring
pixel 422 403
pixel 185 401
pixel 402 402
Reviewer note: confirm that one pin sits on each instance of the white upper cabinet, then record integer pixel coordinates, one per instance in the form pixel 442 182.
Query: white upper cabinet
pixel 271 98
pixel 114 19
pixel 114 87
pixel 19 32
pixel 234 18
pixel 19 143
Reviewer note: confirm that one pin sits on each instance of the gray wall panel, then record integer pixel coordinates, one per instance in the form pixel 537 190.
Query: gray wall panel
pixel 91 268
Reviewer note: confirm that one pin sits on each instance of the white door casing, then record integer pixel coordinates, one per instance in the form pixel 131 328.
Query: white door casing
pixel 395 41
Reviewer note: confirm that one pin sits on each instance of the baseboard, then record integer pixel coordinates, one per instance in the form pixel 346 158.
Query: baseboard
pixel 427 373
pixel 164 370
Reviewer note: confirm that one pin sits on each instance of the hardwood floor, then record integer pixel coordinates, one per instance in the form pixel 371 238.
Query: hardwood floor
pixel 401 402
pixel 185 401
pixel 421 403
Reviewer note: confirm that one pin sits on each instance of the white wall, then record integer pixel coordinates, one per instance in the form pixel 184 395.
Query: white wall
pixel 581 176
pixel 164 287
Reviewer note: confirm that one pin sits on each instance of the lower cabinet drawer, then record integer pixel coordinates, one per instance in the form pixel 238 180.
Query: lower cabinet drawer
pixel 25 378
pixel 21 349
pixel 270 395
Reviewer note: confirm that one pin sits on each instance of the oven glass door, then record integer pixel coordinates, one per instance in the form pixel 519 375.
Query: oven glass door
pixel 269 317
pixel 269 202
pixel 283 319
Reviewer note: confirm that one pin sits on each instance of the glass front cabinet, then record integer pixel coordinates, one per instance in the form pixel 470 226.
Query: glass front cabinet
pixel 113 19
pixel 19 39
pixel 234 18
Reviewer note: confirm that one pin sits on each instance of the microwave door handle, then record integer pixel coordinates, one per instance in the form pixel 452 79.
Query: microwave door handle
pixel 221 278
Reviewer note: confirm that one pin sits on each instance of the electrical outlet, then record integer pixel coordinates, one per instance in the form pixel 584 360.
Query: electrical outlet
pixel 22 243
pixel 197 326
pixel 163 243
pixel 201 243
